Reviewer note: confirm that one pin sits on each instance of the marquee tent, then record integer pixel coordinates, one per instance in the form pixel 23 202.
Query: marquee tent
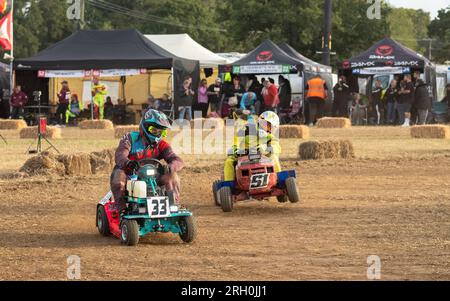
pixel 267 58
pixel 182 45
pixel 112 52
pixel 386 56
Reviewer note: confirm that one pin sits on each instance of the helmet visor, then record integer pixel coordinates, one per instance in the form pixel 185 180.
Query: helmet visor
pixel 157 132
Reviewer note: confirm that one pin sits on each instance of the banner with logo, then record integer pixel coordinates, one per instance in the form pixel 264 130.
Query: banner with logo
pixel 382 70
pixel 262 69
pixel 89 73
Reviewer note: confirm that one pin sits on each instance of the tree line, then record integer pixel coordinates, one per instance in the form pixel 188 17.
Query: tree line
pixel 236 25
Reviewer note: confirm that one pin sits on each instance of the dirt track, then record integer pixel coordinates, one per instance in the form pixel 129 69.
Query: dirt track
pixel 398 209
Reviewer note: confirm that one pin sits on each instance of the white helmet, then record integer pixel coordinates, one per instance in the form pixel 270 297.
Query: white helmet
pixel 267 122
pixel 270 117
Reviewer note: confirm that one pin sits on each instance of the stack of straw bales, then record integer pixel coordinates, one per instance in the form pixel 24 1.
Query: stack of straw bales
pixel 96 125
pixel 330 149
pixel 332 123
pixel 294 131
pixel 10 124
pixel 32 132
pixel 431 131
pixel 120 131
pixel 46 164
pixel 103 162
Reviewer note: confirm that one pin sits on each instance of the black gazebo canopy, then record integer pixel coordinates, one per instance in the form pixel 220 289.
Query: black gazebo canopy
pixel 101 49
pixel 387 53
pixel 267 58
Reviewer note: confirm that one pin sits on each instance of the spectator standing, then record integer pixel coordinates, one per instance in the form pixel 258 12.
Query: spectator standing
pixel 284 92
pixel 316 94
pixel 98 96
pixel 203 97
pixel 109 109
pixel 17 103
pixel 376 101
pixel 186 95
pixel 341 98
pixel 358 110
pixel 227 94
pixel 390 98
pixel 238 88
pixel 271 98
pixel 447 100
pixel 405 100
pixel 422 101
pixel 64 97
pixel 215 95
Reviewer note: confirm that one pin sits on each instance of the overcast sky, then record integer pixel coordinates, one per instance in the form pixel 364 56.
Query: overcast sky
pixel 431 6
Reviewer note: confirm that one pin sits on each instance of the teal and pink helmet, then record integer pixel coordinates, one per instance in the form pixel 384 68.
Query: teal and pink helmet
pixel 154 126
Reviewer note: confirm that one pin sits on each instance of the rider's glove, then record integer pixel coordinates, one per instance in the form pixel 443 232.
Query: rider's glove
pixel 167 170
pixel 132 165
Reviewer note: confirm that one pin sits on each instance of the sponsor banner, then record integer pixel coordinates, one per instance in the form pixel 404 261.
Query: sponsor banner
pixel 388 63
pixel 262 69
pixel 89 73
pixel 382 70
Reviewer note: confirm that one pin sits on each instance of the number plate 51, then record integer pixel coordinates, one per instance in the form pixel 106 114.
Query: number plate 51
pixel 259 181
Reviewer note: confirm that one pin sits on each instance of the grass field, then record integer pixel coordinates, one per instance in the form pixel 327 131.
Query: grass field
pixel 392 200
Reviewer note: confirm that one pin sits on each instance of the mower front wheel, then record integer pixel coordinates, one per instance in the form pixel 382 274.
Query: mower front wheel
pixel 188 229
pixel 226 199
pixel 292 191
pixel 102 221
pixel 130 232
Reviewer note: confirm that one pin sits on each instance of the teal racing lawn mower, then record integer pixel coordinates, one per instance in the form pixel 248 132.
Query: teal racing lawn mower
pixel 150 208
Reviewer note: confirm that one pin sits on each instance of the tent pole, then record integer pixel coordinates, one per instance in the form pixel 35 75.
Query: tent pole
pixel 11 71
pixel 173 92
pixel 92 97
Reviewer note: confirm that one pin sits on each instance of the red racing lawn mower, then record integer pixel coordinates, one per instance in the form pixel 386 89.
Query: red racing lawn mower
pixel 256 179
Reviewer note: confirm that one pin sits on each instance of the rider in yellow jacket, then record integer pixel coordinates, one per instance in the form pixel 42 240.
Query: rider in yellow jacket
pixel 98 96
pixel 260 136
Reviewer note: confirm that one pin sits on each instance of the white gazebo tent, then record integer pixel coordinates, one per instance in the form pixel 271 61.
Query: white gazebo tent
pixel 182 45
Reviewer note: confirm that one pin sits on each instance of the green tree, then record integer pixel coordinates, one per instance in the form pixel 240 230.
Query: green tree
pixel 39 24
pixel 250 22
pixel 410 27
pixel 353 31
pixel 439 30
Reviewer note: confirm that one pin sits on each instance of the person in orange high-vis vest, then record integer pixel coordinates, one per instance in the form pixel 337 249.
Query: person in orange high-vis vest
pixel 316 94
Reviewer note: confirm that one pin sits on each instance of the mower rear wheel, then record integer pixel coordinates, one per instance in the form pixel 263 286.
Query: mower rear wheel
pixel 130 232
pixel 282 198
pixel 215 193
pixel 102 221
pixel 292 191
pixel 226 199
pixel 188 229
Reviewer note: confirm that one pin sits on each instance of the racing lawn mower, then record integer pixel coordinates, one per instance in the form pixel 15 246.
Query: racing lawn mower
pixel 149 208
pixel 256 179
